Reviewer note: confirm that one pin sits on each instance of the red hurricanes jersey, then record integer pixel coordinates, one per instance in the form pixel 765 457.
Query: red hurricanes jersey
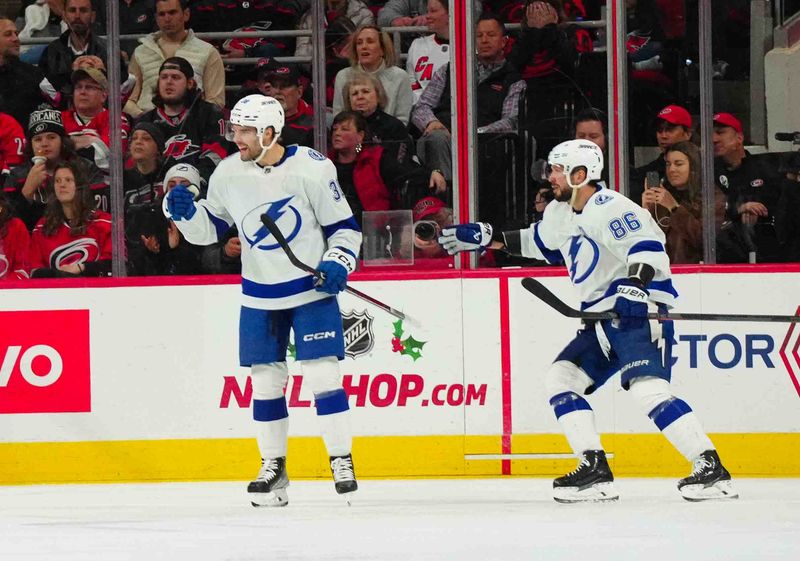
pixel 73 124
pixel 12 142
pixel 14 251
pixel 64 248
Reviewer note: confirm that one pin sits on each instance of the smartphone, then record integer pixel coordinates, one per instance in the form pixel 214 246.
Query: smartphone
pixel 653 180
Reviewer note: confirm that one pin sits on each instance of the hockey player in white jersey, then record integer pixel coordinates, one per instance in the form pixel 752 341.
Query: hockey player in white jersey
pixel 614 252
pixel 298 188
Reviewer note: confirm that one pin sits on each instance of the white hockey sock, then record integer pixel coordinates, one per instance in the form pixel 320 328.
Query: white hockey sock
pixel 269 408
pixel 579 428
pixel 335 427
pixel 688 437
pixel 272 437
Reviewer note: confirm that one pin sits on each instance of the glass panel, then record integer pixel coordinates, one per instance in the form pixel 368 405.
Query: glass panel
pixel 532 87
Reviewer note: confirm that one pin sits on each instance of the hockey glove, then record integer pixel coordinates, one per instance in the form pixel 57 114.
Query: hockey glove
pixel 466 237
pixel 180 203
pixel 336 264
pixel 631 305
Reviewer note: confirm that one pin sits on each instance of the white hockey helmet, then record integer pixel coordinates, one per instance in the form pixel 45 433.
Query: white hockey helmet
pixel 260 112
pixel 573 154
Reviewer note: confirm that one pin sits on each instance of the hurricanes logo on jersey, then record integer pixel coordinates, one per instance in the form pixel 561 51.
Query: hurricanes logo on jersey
pixel 285 216
pixel 82 250
pixel 180 146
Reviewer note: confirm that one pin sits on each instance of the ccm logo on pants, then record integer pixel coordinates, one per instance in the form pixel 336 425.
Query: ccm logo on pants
pixel 44 362
pixel 319 336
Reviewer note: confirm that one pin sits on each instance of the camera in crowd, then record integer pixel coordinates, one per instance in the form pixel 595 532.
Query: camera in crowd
pixel 427 230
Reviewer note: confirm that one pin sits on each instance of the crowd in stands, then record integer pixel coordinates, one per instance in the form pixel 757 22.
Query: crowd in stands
pixel 388 113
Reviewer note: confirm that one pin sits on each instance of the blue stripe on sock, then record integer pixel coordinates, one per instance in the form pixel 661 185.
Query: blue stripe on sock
pixel 329 403
pixel 568 402
pixel 668 412
pixel 270 409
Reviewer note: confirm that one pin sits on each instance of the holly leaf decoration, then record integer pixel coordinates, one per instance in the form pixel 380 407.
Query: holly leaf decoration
pixel 398 328
pixel 412 348
pixel 292 351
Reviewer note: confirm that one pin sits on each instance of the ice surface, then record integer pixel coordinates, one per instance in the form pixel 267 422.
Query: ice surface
pixel 445 519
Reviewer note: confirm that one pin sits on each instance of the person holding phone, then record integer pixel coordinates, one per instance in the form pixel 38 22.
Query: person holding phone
pixel 675 203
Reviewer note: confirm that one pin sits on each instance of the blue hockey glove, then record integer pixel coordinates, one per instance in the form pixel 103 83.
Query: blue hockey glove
pixel 336 264
pixel 631 305
pixel 466 237
pixel 180 203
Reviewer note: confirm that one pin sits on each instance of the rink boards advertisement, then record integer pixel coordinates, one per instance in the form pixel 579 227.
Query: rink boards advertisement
pixel 116 380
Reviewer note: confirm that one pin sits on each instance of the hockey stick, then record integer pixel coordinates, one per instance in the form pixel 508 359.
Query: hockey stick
pixel 540 291
pixel 276 232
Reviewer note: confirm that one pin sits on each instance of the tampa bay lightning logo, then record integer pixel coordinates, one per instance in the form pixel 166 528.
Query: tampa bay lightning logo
pixel 282 213
pixel 315 155
pixel 583 257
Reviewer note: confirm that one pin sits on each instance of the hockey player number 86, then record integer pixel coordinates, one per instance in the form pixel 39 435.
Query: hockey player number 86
pixel 620 227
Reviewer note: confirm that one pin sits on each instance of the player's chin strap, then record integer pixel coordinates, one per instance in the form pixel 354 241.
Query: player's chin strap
pixel 265 149
pixel 575 188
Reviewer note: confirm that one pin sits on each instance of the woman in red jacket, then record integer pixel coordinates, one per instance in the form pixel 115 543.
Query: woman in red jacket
pixel 370 177
pixel 72 238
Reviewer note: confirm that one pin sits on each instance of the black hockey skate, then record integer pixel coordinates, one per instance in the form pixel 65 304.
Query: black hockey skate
pixel 709 480
pixel 344 476
pixel 269 487
pixel 592 481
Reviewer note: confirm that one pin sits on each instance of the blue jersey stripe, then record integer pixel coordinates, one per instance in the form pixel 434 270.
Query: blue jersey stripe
pixel 647 245
pixel 346 224
pixel 220 225
pixel 553 257
pixel 278 290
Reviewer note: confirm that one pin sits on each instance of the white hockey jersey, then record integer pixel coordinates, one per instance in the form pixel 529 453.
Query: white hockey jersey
pixel 599 244
pixel 302 195
pixel 425 56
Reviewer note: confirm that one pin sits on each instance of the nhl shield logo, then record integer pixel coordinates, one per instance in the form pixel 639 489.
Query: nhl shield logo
pixel 358 336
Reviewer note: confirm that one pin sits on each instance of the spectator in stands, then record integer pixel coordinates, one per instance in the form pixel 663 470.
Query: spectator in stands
pixel 369 177
pixel 338 46
pixel 136 17
pixel 547 47
pixel 30 184
pixel 192 127
pixel 171 40
pixel 39 18
pixel 72 238
pixel 676 204
pixel 366 96
pixel 753 186
pixel 592 124
pixel 14 243
pixel 78 40
pixel 430 215
pixel 673 124
pixel 282 81
pixel 543 197
pixel 155 246
pixel 427 54
pixel 225 256
pixel 143 182
pixel 88 123
pixel 22 86
pixel 354 10
pixel 372 52
pixel 404 13
pixel 250 15
pixel 498 93
pixel 12 145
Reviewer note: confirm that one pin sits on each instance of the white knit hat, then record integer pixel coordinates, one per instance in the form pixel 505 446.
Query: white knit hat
pixel 188 172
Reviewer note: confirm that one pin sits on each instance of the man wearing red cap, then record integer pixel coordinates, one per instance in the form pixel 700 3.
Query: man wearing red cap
pixel 673 125
pixel 753 188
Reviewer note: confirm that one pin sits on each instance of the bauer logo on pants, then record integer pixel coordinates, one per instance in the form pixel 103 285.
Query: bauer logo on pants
pixel 44 362
pixel 358 336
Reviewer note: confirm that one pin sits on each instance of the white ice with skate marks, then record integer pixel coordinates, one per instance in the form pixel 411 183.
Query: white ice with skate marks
pixel 398 520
